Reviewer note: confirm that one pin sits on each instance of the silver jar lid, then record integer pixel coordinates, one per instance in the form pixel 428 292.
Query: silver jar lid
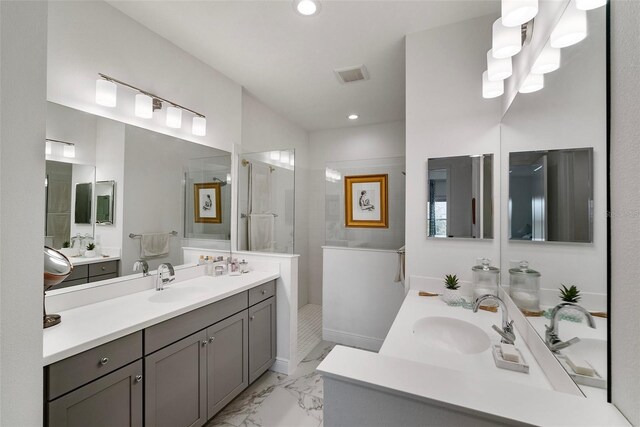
pixel 523 269
pixel 485 267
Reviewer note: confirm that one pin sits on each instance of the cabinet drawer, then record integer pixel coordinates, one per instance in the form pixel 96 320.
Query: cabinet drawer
pixel 172 330
pixel 79 272
pixel 102 277
pixel 82 368
pixel 100 268
pixel 67 283
pixel 262 292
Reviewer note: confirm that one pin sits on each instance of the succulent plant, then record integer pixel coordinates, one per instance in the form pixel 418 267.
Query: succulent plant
pixel 570 294
pixel 91 246
pixel 66 244
pixel 451 282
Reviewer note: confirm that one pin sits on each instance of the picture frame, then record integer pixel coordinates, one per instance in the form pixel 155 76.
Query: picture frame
pixel 366 201
pixel 206 203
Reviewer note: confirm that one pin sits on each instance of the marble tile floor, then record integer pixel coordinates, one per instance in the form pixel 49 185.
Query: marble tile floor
pixel 277 400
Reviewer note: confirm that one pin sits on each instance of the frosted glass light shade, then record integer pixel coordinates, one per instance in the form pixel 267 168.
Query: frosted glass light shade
pixel 498 68
pixel 307 7
pixel 507 41
pixel 228 178
pixel 590 4
pixel 533 83
pixel 284 157
pixel 571 29
pixel 174 117
pixel 144 106
pixel 491 89
pixel 275 155
pixel 47 148
pixel 548 61
pixel 69 151
pixel 199 126
pixel 518 12
pixel 292 161
pixel 106 93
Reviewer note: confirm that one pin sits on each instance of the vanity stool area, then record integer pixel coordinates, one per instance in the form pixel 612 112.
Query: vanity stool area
pixel 176 373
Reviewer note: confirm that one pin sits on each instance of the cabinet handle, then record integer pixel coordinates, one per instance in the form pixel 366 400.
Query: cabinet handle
pixel 211 339
pixel 104 361
pixel 204 342
pixel 252 317
pixel 104 268
pixel 264 291
pixel 138 378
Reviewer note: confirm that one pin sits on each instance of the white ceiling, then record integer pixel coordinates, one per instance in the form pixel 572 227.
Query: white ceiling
pixel 286 60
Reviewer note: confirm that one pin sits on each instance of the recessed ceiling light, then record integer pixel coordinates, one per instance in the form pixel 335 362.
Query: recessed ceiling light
pixel 307 7
pixel 353 117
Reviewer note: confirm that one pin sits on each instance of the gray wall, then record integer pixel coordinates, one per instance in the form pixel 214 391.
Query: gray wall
pixel 625 208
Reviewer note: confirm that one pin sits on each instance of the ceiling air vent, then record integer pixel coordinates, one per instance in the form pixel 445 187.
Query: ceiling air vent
pixel 352 74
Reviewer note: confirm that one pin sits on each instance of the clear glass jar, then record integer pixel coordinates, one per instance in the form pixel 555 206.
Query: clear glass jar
pixel 525 287
pixel 485 279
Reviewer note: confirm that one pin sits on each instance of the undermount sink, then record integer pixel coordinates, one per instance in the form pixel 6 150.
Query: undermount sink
pixel 453 335
pixel 170 294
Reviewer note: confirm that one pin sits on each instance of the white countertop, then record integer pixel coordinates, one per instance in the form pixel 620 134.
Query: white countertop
pixel 88 326
pixel 80 260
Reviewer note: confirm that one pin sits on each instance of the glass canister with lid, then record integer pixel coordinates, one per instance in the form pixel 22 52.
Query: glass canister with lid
pixel 525 287
pixel 485 279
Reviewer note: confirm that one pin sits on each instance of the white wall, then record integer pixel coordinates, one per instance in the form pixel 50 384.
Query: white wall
pixel 23 46
pixel 353 143
pixel 264 130
pixel 447 116
pixel 625 208
pixel 87 38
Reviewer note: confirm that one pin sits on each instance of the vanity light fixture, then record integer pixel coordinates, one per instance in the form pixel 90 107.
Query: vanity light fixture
pixel 284 157
pixel 307 7
pixel 507 41
pixel 498 68
pixel 491 89
pixel 533 83
pixel 47 149
pixel 353 117
pixel 275 155
pixel 228 178
pixel 291 161
pixel 146 103
pixel 590 4
pixel 518 12
pixel 571 29
pixel 68 149
pixel 548 61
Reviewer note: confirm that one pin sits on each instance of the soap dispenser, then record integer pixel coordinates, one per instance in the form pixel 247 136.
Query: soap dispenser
pixel 485 279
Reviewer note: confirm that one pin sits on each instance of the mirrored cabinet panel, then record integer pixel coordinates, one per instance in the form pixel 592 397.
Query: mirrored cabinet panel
pixel 460 199
pixel 105 199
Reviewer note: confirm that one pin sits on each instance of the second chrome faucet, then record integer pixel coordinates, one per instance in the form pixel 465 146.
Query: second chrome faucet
pixel 165 274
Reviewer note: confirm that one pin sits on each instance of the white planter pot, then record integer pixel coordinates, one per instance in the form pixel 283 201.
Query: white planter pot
pixel 452 297
pixel 89 254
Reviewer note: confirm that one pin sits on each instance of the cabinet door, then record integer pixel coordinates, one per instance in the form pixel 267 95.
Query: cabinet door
pixel 114 400
pixel 175 384
pixel 227 361
pixel 262 337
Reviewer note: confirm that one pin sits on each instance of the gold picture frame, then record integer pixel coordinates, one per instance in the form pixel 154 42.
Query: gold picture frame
pixel 366 201
pixel 206 203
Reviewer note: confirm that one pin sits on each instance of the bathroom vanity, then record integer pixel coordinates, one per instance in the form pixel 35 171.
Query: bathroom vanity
pixel 160 358
pixel 89 270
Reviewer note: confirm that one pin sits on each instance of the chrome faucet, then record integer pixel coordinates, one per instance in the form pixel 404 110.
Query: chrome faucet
pixel 506 332
pixel 141 264
pixel 164 275
pixel 551 335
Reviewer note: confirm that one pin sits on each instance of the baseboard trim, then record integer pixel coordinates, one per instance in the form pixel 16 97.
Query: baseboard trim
pixel 281 366
pixel 352 340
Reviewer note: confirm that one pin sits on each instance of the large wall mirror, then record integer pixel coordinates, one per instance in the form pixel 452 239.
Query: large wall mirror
pixel 460 197
pixel 122 182
pixel 554 188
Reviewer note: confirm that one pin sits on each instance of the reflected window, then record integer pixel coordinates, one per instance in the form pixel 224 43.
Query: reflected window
pixel 437 205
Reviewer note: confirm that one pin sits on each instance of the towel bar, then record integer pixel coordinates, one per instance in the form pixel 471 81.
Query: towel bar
pixel 137 236
pixel 243 215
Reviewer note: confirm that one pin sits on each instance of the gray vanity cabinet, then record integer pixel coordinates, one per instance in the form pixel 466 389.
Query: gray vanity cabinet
pixel 114 400
pixel 262 337
pixel 176 384
pixel 227 361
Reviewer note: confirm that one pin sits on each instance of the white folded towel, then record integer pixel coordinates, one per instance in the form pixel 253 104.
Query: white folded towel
pixel 400 273
pixel 261 232
pixel 154 245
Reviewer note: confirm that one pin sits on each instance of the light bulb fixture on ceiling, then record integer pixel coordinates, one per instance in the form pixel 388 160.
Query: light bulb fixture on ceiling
pixel 548 61
pixel 507 41
pixel 498 68
pixel 590 4
pixel 353 117
pixel 532 83
pixel 571 28
pixel 146 103
pixel 307 7
pixel 518 12
pixel 491 89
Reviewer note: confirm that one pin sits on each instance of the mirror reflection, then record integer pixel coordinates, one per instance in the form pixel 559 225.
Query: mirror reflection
pixel 105 192
pixel 460 199
pixel 551 195
pixel 554 157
